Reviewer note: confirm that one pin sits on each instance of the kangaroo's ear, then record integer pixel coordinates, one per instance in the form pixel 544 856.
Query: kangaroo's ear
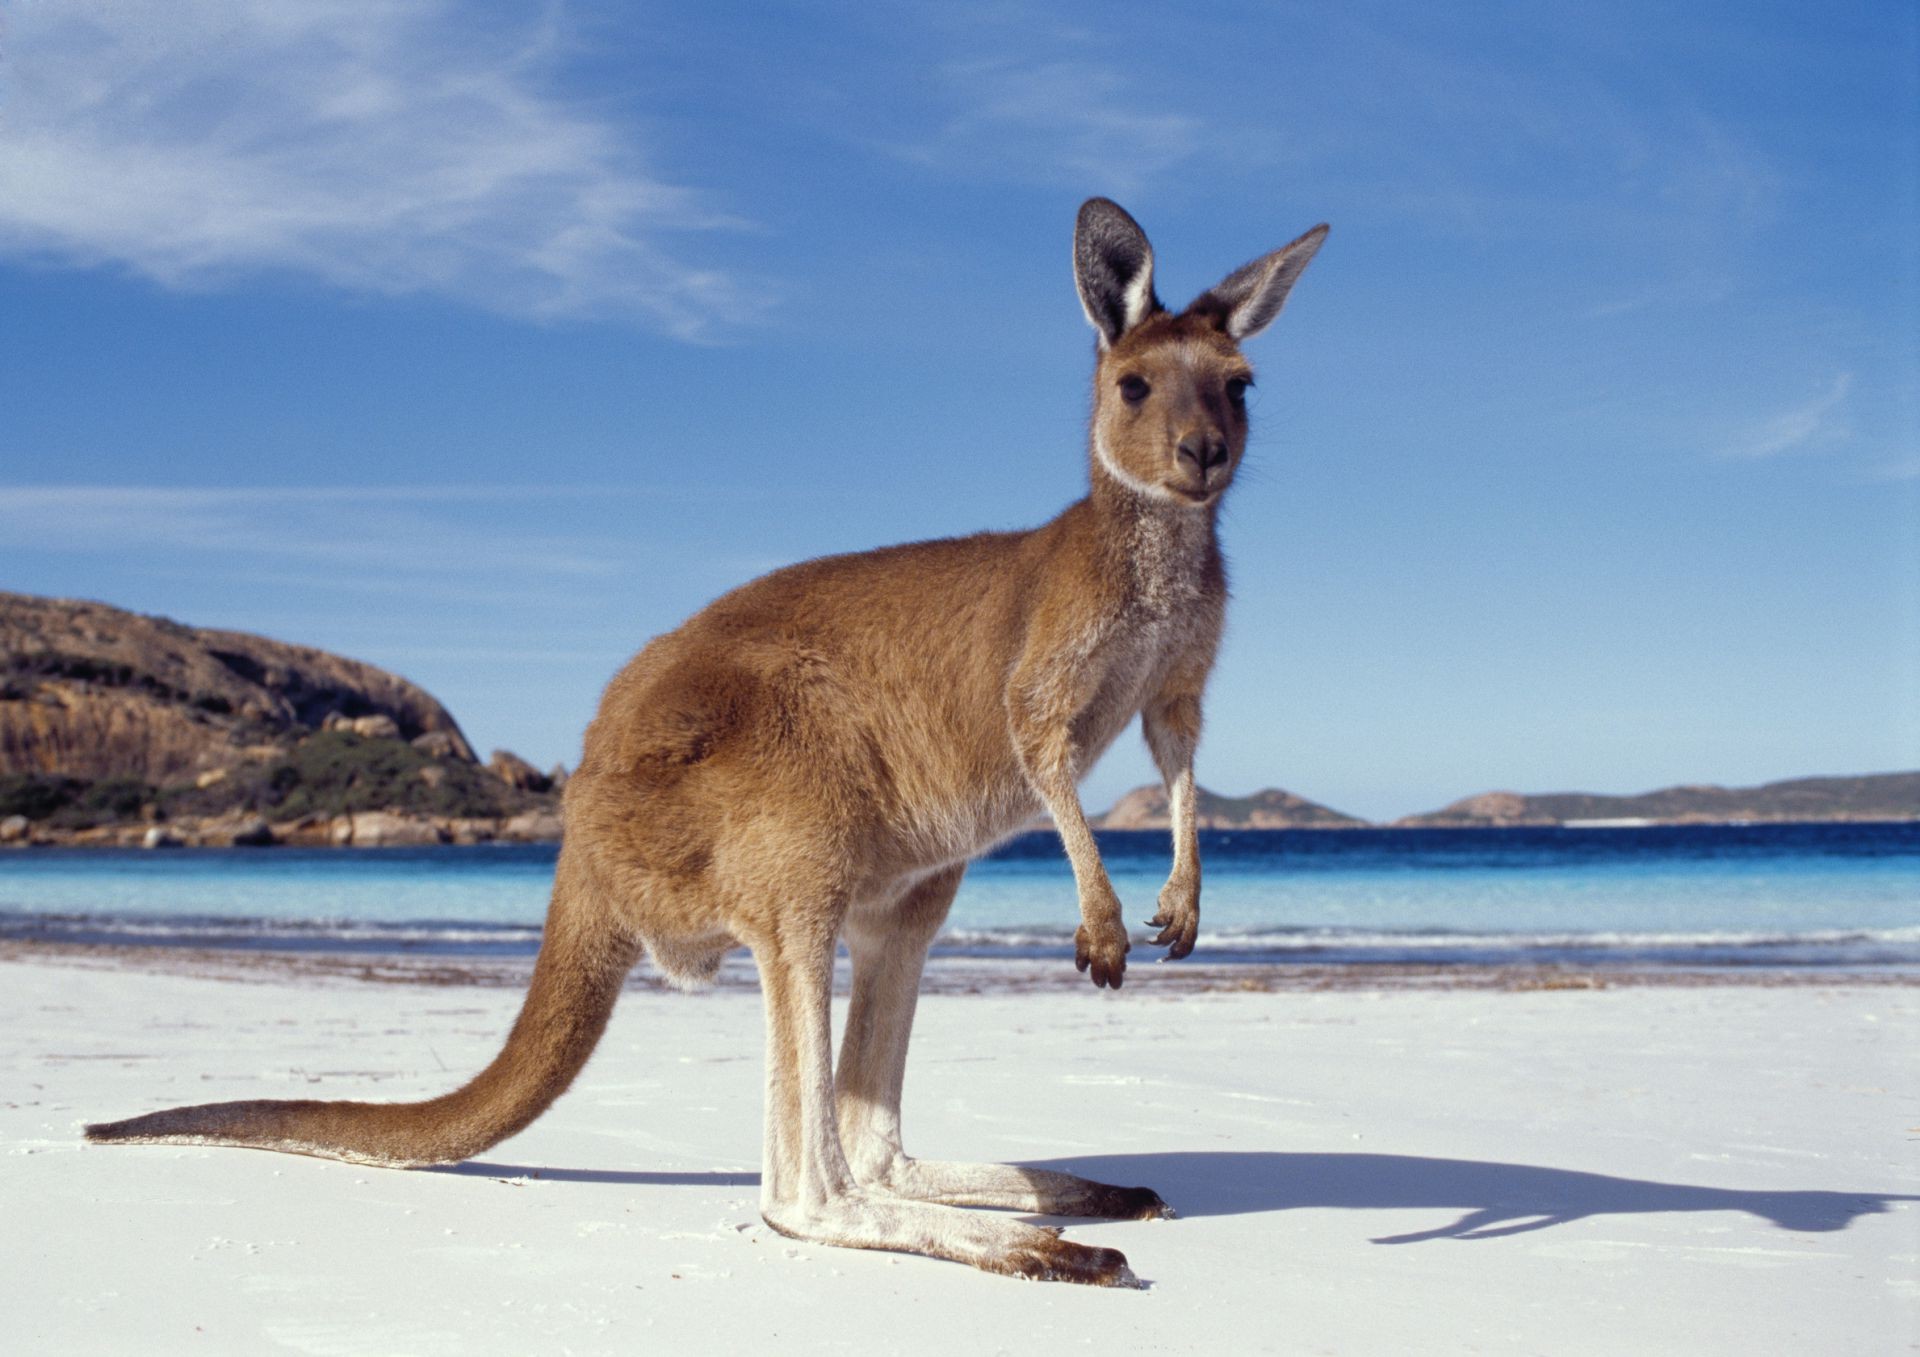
pixel 1245 302
pixel 1113 268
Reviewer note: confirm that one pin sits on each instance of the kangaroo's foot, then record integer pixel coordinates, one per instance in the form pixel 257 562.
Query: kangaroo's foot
pixel 1013 1188
pixel 864 1220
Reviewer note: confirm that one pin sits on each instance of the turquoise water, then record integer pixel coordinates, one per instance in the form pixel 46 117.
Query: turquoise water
pixel 1846 895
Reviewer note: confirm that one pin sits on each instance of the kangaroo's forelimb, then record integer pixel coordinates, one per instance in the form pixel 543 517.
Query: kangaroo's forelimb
pixel 1046 693
pixel 1171 723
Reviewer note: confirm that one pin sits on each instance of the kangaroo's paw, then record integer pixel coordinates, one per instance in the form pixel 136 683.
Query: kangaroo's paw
pixel 1125 1203
pixel 1065 1261
pixel 862 1220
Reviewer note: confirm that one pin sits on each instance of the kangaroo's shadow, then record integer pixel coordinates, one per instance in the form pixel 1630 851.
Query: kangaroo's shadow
pixel 1498 1199
pixel 480 1168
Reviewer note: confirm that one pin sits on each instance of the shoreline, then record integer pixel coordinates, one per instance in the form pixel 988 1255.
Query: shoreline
pixel 946 975
pixel 400 829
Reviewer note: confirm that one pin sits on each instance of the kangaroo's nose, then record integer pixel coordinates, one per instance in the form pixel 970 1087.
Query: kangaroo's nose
pixel 1203 452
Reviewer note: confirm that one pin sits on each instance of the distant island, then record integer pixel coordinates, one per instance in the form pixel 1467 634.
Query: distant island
pixel 121 729
pixel 1875 796
pixel 1270 808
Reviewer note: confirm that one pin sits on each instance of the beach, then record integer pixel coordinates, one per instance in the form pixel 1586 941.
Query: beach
pixel 1458 1162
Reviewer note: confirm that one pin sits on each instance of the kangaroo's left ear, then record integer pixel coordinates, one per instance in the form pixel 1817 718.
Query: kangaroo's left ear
pixel 1113 268
pixel 1246 301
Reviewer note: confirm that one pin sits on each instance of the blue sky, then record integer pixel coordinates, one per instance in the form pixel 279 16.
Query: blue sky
pixel 484 342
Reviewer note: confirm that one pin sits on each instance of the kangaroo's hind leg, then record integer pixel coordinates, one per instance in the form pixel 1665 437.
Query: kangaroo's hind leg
pixel 808 1191
pixel 889 953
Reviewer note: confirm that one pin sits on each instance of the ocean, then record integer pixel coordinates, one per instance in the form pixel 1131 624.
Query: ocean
pixel 1710 896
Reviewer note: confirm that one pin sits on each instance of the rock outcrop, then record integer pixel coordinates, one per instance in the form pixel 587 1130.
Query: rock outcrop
pixel 517 773
pixel 1147 808
pixel 128 730
pixel 90 691
pixel 1485 809
pixel 384 829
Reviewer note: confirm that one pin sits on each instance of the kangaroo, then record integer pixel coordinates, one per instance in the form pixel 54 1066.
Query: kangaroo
pixel 814 758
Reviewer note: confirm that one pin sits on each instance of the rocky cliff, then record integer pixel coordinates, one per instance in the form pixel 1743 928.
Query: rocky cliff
pixel 121 728
pixel 1270 808
pixel 90 691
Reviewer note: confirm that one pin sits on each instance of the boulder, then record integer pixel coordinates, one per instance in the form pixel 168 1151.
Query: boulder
pixel 438 744
pixel 159 836
pixel 254 833
pixel 308 831
pixel 534 826
pixel 517 773
pixel 379 726
pixel 385 829
pixel 15 829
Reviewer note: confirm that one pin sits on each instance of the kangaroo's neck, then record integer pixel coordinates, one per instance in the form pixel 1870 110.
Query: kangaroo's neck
pixel 1162 554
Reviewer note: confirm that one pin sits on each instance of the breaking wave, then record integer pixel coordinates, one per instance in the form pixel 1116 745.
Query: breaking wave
pixel 1356 946
pixel 451 938
pixel 1861 947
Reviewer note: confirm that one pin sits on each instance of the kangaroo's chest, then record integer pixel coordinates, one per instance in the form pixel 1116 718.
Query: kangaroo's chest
pixel 1167 612
pixel 1128 669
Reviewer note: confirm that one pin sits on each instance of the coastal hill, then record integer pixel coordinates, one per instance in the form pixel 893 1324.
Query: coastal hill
pixel 1270 808
pixel 92 691
pixel 111 720
pixel 1876 796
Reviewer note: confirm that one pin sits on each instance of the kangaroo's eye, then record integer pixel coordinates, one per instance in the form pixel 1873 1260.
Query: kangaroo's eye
pixel 1133 389
pixel 1237 389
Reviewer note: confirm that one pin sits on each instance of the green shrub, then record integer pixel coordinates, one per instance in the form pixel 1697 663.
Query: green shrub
pixel 115 798
pixel 332 773
pixel 337 771
pixel 37 796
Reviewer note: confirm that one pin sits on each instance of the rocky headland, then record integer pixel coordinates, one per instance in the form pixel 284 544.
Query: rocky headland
pixel 119 728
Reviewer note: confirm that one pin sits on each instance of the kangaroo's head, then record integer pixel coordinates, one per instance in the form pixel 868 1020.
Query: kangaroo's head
pixel 1169 390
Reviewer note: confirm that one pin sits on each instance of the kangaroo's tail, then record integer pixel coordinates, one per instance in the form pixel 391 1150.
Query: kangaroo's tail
pixel 584 960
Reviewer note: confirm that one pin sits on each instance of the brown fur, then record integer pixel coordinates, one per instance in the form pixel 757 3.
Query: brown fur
pixel 815 756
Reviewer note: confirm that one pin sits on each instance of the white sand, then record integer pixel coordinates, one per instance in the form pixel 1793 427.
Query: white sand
pixel 1650 1170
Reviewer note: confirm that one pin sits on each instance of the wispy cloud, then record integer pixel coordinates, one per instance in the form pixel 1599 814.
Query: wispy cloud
pixel 1810 426
pixel 1628 305
pixel 1693 290
pixel 358 533
pixel 1076 120
pixel 379 146
pixel 1905 469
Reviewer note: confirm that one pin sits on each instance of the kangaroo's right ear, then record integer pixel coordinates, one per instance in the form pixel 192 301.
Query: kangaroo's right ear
pixel 1246 301
pixel 1113 268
